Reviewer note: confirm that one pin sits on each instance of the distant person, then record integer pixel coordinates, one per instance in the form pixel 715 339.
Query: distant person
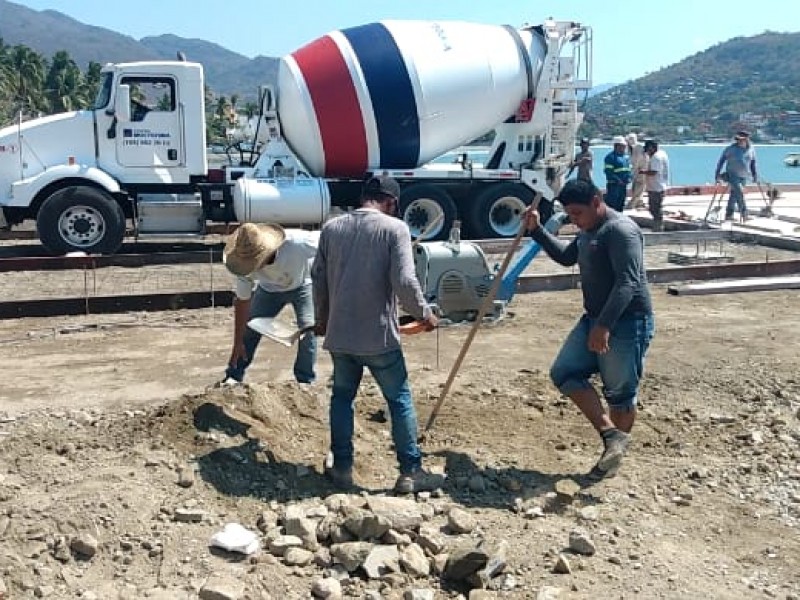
pixel 272 266
pixel 740 161
pixel 614 333
pixel 617 168
pixel 657 179
pixel 583 162
pixel 638 162
pixel 364 266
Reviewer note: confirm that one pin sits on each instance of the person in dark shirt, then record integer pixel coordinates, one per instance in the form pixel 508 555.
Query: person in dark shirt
pixel 617 168
pixel 614 333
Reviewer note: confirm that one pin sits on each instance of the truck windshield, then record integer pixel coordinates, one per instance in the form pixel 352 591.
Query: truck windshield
pixel 104 93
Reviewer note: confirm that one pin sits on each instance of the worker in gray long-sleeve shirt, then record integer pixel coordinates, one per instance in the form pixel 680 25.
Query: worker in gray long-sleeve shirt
pixel 362 267
pixel 613 335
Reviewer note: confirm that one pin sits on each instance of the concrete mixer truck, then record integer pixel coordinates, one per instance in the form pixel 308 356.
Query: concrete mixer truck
pixel 386 97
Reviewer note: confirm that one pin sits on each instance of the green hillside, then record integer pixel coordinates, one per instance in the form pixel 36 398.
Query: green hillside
pixel 751 83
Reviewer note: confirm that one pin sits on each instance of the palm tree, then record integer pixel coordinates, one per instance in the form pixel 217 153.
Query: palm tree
pixel 63 84
pixel 27 78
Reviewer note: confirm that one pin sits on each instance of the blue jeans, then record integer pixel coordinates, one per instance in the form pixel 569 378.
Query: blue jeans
pixel 615 195
pixel 736 197
pixel 389 371
pixel 620 368
pixel 269 304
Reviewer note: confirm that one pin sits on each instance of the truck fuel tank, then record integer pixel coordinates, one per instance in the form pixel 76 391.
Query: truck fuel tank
pixel 397 94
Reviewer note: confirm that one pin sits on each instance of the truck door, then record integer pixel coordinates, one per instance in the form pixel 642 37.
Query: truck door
pixel 152 138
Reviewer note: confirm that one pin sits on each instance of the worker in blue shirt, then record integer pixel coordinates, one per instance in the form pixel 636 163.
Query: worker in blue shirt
pixel 617 168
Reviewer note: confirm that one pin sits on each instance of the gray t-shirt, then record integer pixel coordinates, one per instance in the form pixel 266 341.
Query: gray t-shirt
pixel 362 267
pixel 611 260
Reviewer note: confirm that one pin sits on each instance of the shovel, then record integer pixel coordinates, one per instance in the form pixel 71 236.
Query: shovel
pixel 277 332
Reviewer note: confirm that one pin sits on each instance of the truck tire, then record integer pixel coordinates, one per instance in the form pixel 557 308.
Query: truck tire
pixel 421 204
pixel 81 218
pixel 497 211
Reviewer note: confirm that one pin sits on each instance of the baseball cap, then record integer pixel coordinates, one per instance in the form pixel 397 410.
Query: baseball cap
pixel 650 143
pixel 742 134
pixel 585 141
pixel 381 185
pixel 618 139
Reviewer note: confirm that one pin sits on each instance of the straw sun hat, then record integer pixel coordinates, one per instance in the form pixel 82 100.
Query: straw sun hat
pixel 250 246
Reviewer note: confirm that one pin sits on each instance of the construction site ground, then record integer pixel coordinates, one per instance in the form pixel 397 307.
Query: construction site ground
pixel 101 418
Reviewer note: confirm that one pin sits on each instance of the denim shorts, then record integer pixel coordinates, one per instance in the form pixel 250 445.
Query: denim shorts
pixel 620 368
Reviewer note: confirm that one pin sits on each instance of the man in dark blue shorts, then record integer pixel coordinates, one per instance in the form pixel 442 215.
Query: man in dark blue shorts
pixel 612 336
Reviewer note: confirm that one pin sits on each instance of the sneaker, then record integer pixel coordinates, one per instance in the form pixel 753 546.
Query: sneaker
pixel 228 382
pixel 616 443
pixel 419 480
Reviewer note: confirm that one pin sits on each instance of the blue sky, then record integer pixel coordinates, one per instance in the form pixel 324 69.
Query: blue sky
pixel 631 38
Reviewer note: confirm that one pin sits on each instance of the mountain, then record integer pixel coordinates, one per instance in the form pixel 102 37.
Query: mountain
pixel 745 83
pixel 49 31
pixel 600 88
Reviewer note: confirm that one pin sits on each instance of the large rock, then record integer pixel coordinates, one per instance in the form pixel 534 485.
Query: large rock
pixel 414 561
pixel 364 524
pixel 494 566
pixel 465 561
pixel 351 555
pixel 222 587
pixel 282 543
pixel 381 561
pixel 327 589
pixel 403 514
pixel 298 557
pixel 460 521
pixel 305 529
pixel 84 545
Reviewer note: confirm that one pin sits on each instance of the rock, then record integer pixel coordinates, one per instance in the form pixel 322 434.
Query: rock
pixel 189 515
pixel 440 563
pixel 431 540
pixel 336 502
pixel 589 513
pixel 267 521
pixel 423 594
pixel 581 543
pixel 61 550
pixel 460 521
pixel 305 529
pixel 298 557
pixel 395 538
pixel 414 561
pixel 494 566
pixel 567 489
pixel 562 566
pixel 3 589
pixel 84 545
pixel 548 593
pixel 326 588
pixel 351 554
pixel 222 587
pixel 323 558
pixel 282 543
pixel 366 525
pixel 479 594
pixel 403 514
pixel 44 591
pixel 464 562
pixel 185 477
pixel 381 561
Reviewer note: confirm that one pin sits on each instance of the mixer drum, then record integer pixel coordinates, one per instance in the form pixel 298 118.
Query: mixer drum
pixel 397 94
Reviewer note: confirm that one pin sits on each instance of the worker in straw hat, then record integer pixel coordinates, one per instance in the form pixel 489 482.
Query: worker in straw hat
pixel 272 266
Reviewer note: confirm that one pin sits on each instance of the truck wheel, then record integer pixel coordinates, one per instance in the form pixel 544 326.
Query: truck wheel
pixel 421 204
pixel 498 209
pixel 81 218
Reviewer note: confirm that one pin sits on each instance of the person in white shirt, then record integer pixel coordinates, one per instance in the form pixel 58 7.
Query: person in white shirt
pixel 272 266
pixel 638 162
pixel 657 174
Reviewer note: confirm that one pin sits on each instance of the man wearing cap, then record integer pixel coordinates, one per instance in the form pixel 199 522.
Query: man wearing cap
pixel 614 333
pixel 272 266
pixel 657 173
pixel 740 161
pixel 363 267
pixel 617 168
pixel 583 162
pixel 638 162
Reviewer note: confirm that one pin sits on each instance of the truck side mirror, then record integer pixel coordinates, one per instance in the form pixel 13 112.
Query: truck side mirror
pixel 122 104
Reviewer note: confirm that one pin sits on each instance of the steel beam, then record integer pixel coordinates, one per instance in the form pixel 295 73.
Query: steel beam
pixel 53 307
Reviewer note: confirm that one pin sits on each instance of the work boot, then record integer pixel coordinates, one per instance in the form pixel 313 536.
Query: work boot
pixel 616 443
pixel 341 479
pixel 419 480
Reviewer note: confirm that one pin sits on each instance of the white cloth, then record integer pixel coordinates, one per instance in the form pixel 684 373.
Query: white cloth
pixel 638 160
pixel 659 163
pixel 290 270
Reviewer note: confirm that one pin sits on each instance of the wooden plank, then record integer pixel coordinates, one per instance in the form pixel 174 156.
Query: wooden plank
pixel 65 263
pixel 761 284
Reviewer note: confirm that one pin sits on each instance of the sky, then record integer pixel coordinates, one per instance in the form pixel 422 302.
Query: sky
pixel 631 38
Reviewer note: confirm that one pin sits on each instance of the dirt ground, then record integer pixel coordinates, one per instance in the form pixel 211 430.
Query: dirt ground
pixel 101 417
